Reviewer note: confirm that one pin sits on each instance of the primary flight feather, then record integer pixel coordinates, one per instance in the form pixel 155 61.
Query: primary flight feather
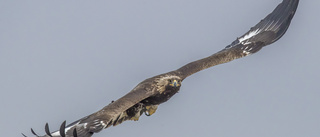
pixel 147 95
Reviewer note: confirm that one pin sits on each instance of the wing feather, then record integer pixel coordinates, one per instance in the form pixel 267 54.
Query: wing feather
pixel 267 31
pixel 112 114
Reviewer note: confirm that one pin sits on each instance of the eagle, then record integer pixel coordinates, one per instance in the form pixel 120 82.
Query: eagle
pixel 150 93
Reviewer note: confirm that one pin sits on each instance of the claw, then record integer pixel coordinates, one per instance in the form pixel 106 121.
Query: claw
pixel 34 133
pixel 47 130
pixel 151 110
pixel 135 118
pixel 62 129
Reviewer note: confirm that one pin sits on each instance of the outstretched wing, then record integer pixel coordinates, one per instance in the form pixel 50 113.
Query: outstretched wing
pixel 267 31
pixel 112 114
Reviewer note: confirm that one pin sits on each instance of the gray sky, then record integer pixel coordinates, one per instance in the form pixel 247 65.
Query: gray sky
pixel 63 60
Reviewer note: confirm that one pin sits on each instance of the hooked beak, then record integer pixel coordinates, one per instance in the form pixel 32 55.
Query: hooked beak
pixel 174 83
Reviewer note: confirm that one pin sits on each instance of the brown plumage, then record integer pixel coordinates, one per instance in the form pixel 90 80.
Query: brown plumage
pixel 148 94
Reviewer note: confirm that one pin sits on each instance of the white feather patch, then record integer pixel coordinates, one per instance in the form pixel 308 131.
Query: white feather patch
pixel 103 124
pixel 249 35
pixel 57 133
pixel 246 52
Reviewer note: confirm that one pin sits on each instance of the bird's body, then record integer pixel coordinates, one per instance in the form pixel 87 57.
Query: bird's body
pixel 148 94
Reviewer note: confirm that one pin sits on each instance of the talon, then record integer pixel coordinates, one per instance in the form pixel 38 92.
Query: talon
pixel 147 113
pixel 151 110
pixel 135 118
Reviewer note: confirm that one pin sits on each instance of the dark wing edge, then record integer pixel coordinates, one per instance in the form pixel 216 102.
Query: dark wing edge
pixel 272 27
pixel 110 115
pixel 267 31
pixel 114 113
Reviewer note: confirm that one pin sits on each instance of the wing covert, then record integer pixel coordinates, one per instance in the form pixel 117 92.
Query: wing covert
pixel 267 31
pixel 114 113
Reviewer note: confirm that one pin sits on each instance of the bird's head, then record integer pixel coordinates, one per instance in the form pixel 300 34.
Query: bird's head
pixel 174 82
pixel 168 81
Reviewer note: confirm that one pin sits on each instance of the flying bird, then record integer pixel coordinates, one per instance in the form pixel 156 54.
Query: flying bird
pixel 147 95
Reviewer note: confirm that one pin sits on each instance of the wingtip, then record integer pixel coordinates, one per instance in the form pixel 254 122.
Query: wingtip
pixel 23 135
pixel 34 133
pixel 47 130
pixel 62 129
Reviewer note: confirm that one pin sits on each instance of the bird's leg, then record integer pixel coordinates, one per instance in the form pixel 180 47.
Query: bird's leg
pixel 137 109
pixel 151 109
pixel 135 118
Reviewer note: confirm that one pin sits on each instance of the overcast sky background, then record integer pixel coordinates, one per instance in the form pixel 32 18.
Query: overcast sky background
pixel 63 60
